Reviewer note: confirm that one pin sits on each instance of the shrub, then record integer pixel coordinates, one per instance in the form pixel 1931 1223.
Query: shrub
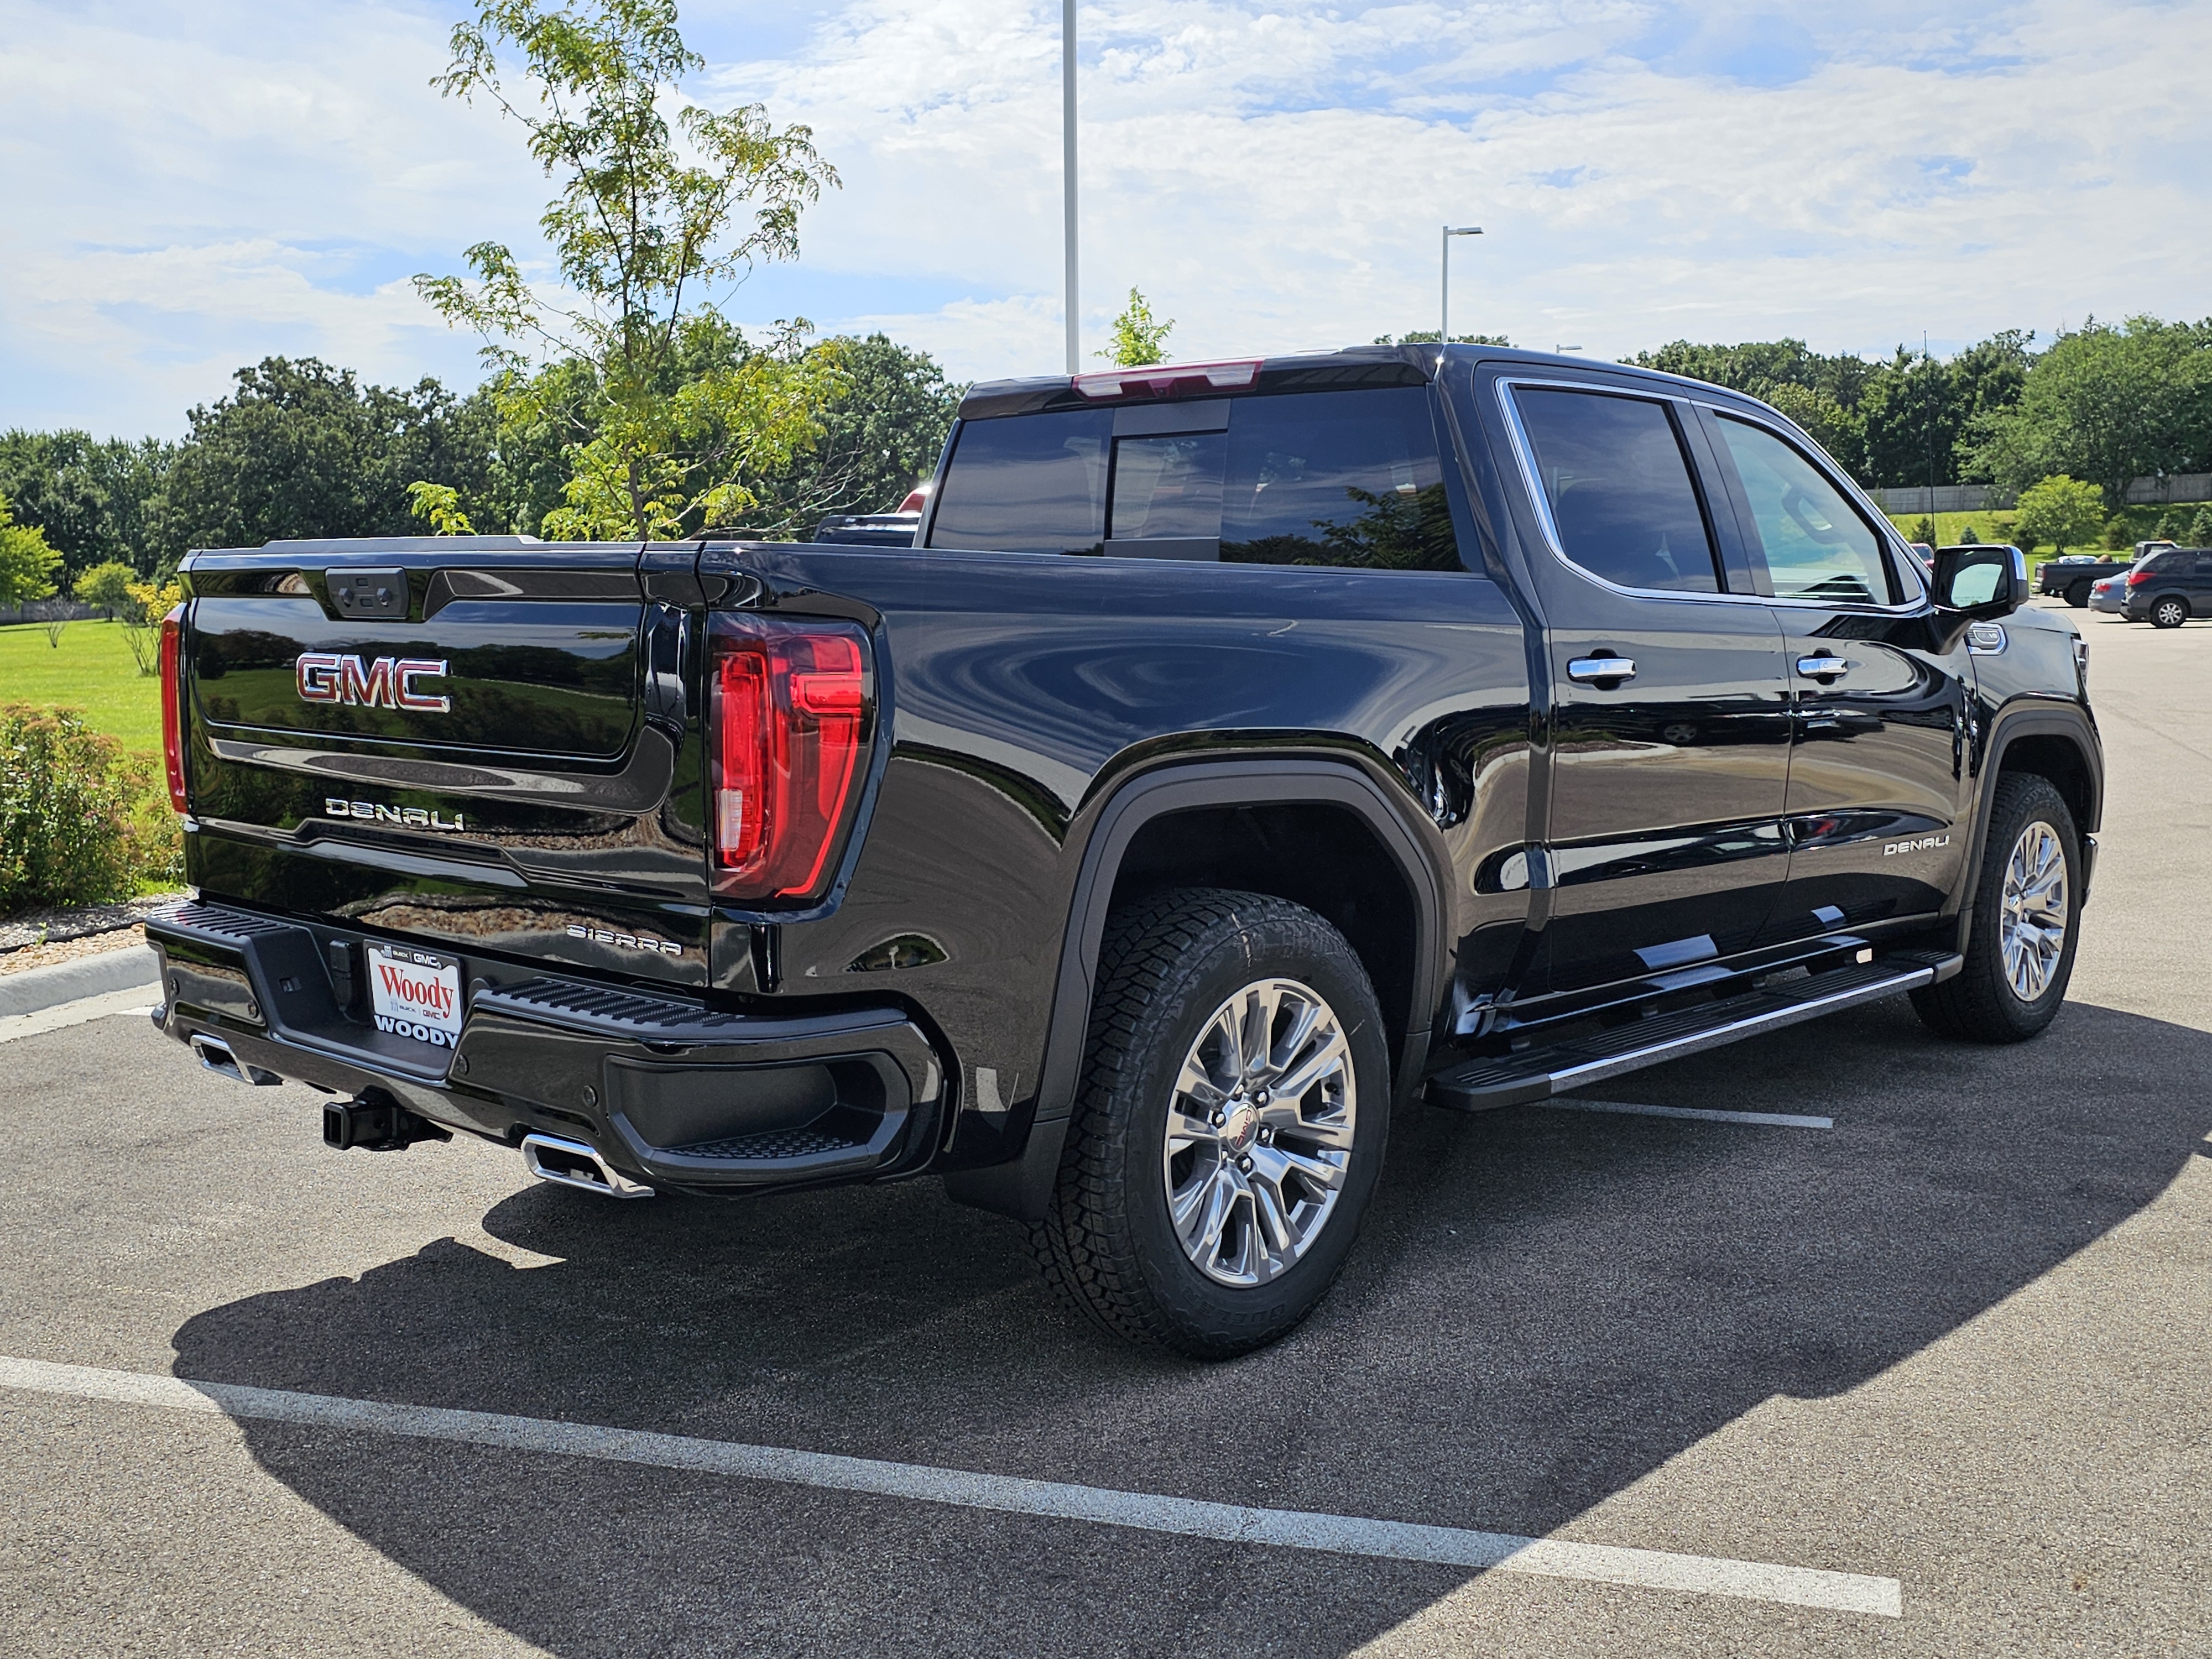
pixel 2172 525
pixel 108 585
pixel 2063 511
pixel 2200 528
pixel 80 822
pixel 1971 537
pixel 144 605
pixel 1924 532
pixel 2118 533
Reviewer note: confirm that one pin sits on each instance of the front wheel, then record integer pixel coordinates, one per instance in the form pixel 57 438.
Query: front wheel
pixel 1229 1127
pixel 2019 950
pixel 2078 595
pixel 2171 611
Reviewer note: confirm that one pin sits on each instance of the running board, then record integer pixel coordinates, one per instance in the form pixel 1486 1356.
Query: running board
pixel 1539 1072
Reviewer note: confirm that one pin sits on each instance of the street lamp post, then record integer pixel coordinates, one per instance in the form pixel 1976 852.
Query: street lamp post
pixel 1444 312
pixel 1067 174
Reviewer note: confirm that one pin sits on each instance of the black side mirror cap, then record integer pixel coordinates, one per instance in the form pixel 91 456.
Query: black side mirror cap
pixel 1982 583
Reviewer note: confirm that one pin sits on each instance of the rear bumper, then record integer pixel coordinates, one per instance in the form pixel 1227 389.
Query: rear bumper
pixel 668 1092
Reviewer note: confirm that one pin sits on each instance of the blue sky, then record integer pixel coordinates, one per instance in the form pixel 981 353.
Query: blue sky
pixel 193 188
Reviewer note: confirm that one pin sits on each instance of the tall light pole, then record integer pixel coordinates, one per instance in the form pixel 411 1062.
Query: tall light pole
pixel 1444 312
pixel 1067 174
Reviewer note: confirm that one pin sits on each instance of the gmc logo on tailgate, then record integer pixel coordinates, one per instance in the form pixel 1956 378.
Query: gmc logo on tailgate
pixel 386 682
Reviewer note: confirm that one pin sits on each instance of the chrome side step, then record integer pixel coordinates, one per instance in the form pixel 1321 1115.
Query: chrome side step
pixel 573 1163
pixel 1555 1068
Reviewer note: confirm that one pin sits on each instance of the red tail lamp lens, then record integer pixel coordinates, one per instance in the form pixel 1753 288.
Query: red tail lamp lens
pixel 172 703
pixel 2138 577
pixel 790 714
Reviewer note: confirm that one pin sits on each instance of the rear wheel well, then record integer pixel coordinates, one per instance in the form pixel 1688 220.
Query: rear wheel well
pixel 2058 758
pixel 1325 858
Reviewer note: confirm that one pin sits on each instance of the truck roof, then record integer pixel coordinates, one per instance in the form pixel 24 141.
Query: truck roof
pixel 1304 371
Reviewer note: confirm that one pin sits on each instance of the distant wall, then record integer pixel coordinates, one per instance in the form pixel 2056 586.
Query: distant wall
pixel 1984 498
pixel 1943 498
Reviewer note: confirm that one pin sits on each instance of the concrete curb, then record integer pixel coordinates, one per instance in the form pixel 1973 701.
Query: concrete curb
pixel 35 989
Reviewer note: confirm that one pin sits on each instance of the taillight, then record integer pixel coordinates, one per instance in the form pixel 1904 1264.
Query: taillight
pixel 2138 577
pixel 172 703
pixel 916 499
pixel 790 709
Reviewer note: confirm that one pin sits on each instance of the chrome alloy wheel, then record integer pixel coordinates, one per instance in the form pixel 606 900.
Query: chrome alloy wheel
pixel 2033 923
pixel 1259 1132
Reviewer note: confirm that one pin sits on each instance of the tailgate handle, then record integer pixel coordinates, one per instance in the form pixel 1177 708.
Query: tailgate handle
pixel 668 632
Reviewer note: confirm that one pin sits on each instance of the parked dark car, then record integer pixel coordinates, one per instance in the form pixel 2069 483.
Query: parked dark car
pixel 2169 588
pixel 2075 574
pixel 1244 749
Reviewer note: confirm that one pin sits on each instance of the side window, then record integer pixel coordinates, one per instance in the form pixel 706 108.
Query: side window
pixel 1337 479
pixel 1027 484
pixel 1619 488
pixel 1815 545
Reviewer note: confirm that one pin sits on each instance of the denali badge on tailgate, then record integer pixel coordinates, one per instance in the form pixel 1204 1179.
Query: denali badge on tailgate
pixel 415 993
pixel 407 817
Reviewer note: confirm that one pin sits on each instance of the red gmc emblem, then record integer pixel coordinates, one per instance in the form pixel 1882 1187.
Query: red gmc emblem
pixel 386 682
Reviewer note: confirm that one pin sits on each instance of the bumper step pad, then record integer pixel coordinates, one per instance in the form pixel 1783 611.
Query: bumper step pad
pixel 1539 1072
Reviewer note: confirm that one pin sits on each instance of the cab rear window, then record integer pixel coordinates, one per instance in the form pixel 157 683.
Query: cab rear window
pixel 1345 478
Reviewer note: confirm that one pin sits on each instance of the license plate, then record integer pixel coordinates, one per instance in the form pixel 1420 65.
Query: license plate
pixel 415 993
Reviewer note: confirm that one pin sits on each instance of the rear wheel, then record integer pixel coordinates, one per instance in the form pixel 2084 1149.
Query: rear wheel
pixel 2078 595
pixel 2020 951
pixel 2171 611
pixel 1230 1127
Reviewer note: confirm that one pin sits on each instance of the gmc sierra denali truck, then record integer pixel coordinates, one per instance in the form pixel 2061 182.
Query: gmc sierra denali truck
pixel 1242 750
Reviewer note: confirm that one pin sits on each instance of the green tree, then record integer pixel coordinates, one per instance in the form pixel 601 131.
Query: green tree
pixel 2200 528
pixel 91 498
pixel 2061 511
pixel 1138 337
pixel 108 585
pixel 880 435
pixel 645 228
pixel 26 563
pixel 302 449
pixel 2107 404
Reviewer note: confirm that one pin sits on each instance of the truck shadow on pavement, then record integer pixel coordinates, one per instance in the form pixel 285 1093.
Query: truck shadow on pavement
pixel 1545 1306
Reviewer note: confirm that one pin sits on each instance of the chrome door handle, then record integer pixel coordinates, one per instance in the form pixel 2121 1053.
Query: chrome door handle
pixel 1587 669
pixel 1823 667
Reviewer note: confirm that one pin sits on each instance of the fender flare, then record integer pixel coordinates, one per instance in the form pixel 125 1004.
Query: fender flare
pixel 2029 717
pixel 1022 1188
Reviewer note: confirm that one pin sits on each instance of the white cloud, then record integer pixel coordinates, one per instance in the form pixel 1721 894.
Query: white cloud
pixel 193 189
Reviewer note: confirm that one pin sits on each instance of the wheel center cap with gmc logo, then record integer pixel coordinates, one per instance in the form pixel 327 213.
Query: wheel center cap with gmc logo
pixel 1243 1125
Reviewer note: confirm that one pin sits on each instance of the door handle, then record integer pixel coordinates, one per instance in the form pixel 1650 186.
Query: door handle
pixel 1588 669
pixel 1823 667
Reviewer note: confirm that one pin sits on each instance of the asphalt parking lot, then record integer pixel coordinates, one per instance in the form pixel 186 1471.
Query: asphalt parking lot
pixel 1959 1343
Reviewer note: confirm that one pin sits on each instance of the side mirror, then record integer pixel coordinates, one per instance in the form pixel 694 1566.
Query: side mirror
pixel 1982 582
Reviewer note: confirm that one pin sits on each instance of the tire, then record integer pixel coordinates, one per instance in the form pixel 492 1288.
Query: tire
pixel 2171 611
pixel 2078 596
pixel 1995 999
pixel 1172 967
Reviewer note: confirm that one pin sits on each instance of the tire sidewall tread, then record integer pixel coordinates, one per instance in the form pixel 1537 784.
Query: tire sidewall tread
pixel 1106 1243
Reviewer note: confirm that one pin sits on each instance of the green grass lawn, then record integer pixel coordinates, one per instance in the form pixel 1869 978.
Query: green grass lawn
pixel 91 670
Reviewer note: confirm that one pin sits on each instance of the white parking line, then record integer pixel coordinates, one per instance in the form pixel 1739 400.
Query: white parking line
pixel 1340 1534
pixel 137 999
pixel 1772 1120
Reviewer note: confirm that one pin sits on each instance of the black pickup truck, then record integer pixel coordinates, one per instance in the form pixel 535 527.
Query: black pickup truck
pixel 1241 750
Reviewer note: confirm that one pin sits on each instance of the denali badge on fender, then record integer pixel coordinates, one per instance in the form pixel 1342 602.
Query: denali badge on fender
pixel 407 817
pixel 387 682
pixel 1891 848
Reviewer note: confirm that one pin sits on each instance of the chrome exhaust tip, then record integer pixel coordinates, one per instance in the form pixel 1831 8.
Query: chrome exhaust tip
pixel 573 1163
pixel 215 1055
